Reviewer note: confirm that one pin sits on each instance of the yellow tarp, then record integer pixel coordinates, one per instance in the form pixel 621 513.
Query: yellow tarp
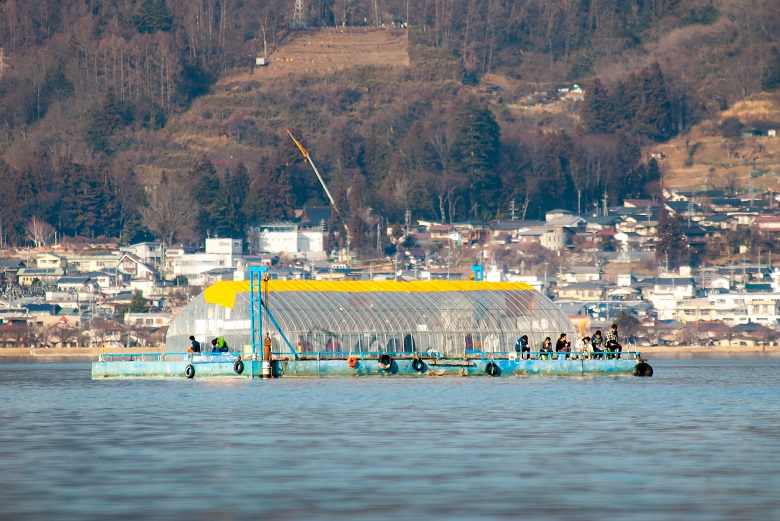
pixel 224 293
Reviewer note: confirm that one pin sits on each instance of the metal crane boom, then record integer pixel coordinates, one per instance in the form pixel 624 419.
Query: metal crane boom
pixel 308 157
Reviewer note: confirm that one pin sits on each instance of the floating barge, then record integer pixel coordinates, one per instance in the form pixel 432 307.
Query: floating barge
pixel 365 328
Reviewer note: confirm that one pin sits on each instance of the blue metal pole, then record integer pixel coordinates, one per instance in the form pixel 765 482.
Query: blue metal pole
pixel 256 274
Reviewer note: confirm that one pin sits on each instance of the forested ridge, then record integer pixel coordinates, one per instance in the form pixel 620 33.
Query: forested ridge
pixel 101 100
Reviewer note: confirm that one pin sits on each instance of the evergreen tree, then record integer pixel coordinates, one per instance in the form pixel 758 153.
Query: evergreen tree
pixel 645 104
pixel 657 114
pixel 236 187
pixel 628 324
pixel 105 119
pixel 670 243
pixel 270 195
pixel 83 198
pixel 209 198
pixel 475 146
pixel 357 226
pixel 556 185
pixel 138 304
pixel 770 79
pixel 598 113
pixel 153 16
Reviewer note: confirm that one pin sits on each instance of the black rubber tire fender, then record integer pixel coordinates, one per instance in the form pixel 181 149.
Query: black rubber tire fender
pixel 418 365
pixel 643 369
pixel 189 371
pixel 492 369
pixel 385 361
pixel 238 367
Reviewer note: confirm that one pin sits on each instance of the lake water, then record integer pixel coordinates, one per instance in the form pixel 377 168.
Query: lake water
pixel 699 440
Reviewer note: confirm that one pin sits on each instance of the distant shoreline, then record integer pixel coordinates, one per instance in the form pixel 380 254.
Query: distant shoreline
pixel 709 353
pixel 12 355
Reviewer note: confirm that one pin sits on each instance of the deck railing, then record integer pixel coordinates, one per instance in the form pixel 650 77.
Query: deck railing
pixel 157 356
pixel 471 354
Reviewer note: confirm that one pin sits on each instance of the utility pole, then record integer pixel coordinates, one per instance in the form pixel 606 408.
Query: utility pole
pixel 2 62
pixel 299 22
pixel 379 238
pixel 606 209
pixel 690 209
pixel 579 199
pixel 512 209
pixel 408 218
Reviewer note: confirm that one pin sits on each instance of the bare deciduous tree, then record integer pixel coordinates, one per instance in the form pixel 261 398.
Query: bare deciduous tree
pixel 39 232
pixel 169 211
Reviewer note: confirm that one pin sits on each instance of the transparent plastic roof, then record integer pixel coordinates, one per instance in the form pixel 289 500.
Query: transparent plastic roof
pixel 346 317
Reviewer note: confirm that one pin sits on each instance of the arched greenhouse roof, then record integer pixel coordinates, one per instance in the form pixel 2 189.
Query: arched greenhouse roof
pixel 443 316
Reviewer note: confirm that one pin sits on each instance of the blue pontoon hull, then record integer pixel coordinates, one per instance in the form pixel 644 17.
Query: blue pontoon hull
pixel 365 367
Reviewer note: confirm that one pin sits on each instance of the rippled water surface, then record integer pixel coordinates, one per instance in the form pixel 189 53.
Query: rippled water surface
pixel 699 440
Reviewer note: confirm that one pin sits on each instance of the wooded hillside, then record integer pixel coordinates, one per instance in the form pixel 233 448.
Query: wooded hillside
pixel 100 98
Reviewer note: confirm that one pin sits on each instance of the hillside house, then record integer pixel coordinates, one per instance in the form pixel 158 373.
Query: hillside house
pixel 767 223
pixel 291 239
pixel 583 291
pixel 150 253
pixel 148 319
pixel 92 263
pixel 50 261
pixel 30 276
pixel 136 268
pixel 9 269
pixel 581 274
pixel 81 285
pixel 557 238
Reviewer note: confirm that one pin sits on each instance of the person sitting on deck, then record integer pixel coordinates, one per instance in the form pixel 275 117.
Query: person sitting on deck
pixel 194 345
pixel 521 347
pixel 584 347
pixel 219 345
pixel 563 345
pixel 333 345
pixel 546 349
pixel 304 346
pixel 597 342
pixel 613 341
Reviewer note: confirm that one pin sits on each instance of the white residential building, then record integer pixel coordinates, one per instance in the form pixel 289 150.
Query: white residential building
pixel 290 239
pixel 581 274
pixel 731 308
pixel 148 319
pixel 91 263
pixel 220 253
pixel 50 261
pixel 150 253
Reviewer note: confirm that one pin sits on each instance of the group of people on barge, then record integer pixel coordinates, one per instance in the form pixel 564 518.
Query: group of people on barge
pixel 595 347
pixel 218 345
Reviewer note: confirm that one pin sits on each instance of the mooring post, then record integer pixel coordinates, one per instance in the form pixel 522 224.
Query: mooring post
pixel 267 357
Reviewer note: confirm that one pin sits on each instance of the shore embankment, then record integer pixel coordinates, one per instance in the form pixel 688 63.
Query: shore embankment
pixel 91 354
pixel 54 354
pixel 709 352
